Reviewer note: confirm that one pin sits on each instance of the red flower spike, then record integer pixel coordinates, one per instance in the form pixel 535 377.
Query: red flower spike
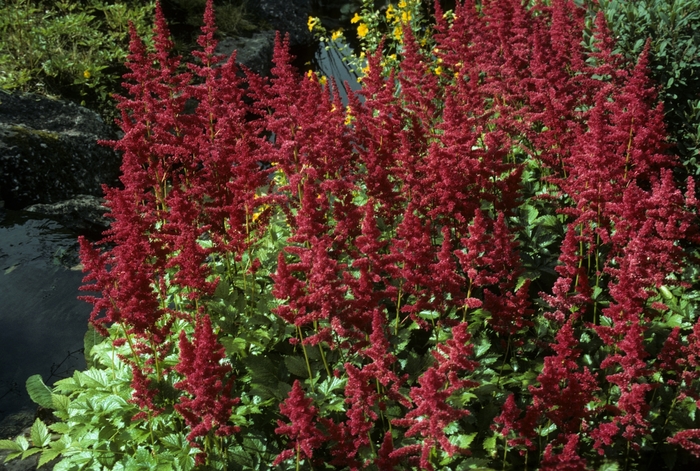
pixel 687 439
pixel 304 435
pixel 432 413
pixel 206 406
pixel 567 460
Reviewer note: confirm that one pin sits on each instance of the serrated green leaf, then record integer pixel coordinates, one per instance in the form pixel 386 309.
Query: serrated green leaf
pixel 490 445
pixel 12 456
pixel 674 320
pixel 60 402
pixel 175 441
pixel 111 403
pixel 463 441
pixel 609 466
pixel 22 442
pixel 482 347
pixel 31 451
pixel 331 384
pixel 64 465
pixel 296 366
pixel 39 434
pixel 39 392
pixel 10 445
pixel 48 455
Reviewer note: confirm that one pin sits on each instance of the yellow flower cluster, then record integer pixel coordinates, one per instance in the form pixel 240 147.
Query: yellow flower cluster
pixel 362 28
pixel 312 23
pixel 311 75
pixel 348 116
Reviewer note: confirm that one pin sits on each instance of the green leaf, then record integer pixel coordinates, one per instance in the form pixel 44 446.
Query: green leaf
pixel 39 392
pixel 32 451
pixel 609 466
pixel 490 445
pixel 12 456
pixel 60 402
pixel 22 442
pixel 39 434
pixel 10 445
pixel 463 441
pixel 296 366
pixel 482 347
pixel 48 455
pixel 60 427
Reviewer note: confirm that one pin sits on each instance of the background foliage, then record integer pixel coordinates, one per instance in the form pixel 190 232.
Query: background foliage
pixel 70 49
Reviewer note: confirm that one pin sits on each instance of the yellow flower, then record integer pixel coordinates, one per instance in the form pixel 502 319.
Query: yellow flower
pixel 362 30
pixel 310 74
pixel 259 213
pixel 438 70
pixel 87 74
pixel 390 12
pixel 337 34
pixel 355 19
pixel 323 80
pixel 312 23
pixel 398 33
pixel 348 116
pixel 406 16
pixel 403 4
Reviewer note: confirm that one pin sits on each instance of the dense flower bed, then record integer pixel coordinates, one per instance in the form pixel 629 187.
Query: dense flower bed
pixel 483 260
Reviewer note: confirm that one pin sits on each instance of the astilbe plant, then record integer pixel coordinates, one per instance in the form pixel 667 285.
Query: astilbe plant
pixel 482 259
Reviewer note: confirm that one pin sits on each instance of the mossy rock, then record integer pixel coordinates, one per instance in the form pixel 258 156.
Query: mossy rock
pixel 49 151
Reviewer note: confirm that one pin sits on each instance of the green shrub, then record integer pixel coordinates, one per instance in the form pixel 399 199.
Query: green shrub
pixel 70 49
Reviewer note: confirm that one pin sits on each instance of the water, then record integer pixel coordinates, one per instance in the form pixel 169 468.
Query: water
pixel 330 60
pixel 42 322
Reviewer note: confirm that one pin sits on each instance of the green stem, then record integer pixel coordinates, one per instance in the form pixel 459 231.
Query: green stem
pixel 503 363
pixel 323 353
pixel 398 309
pixel 306 357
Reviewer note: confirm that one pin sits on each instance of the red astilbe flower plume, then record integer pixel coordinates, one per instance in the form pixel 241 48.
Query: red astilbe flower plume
pixel 361 394
pixel 207 382
pixel 565 389
pixel 689 440
pixel 567 460
pixel 304 435
pixel 432 412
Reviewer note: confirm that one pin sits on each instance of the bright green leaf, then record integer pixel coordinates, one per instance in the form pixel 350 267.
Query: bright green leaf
pixel 39 392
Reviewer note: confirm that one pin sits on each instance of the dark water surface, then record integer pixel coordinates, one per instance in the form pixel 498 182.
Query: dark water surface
pixel 42 323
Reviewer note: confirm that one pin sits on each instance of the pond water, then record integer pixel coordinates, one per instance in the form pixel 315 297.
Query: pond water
pixel 42 323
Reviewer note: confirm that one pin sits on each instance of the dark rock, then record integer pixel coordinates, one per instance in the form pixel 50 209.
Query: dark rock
pixel 255 52
pixel 49 151
pixel 84 214
pixel 287 16
pixel 14 424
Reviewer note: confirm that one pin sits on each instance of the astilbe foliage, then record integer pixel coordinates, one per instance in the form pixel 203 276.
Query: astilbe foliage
pixel 404 285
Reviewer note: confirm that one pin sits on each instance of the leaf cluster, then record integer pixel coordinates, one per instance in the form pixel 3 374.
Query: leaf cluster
pixel 75 50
